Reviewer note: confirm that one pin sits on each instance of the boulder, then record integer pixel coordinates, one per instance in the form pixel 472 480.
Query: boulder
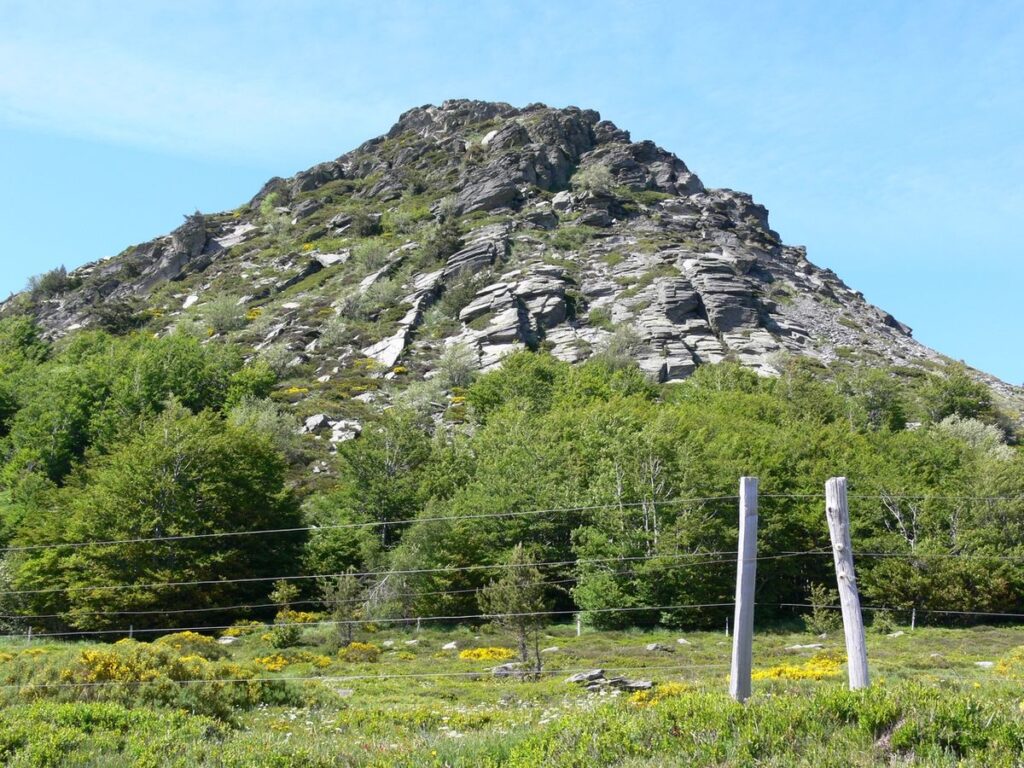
pixel 306 208
pixel 316 424
pixel 585 677
pixel 658 647
pixel 345 430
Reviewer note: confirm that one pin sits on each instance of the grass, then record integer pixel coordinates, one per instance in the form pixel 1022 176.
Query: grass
pixel 930 704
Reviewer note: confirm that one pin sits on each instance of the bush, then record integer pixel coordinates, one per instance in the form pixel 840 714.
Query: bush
pixel 823 617
pixel 145 674
pixel 596 179
pixel 821 666
pixel 193 644
pixel 360 652
pixel 457 366
pixel 223 314
pixel 52 283
pixel 487 654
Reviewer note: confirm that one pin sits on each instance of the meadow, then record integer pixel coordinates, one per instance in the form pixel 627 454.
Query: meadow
pixel 939 697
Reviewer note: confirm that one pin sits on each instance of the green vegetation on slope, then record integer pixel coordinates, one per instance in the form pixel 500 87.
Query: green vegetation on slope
pixel 139 437
pixel 417 703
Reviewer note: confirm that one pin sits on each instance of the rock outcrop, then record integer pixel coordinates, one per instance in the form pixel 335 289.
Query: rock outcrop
pixel 571 237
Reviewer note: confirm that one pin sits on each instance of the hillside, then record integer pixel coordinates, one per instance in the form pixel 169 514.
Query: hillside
pixel 471 230
pixel 491 333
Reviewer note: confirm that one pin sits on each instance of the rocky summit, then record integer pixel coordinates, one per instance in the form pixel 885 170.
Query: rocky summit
pixel 473 229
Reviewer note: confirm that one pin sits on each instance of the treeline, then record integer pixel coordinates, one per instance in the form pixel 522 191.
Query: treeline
pixel 617 487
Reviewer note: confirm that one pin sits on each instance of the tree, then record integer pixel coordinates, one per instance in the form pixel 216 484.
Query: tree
pixel 517 602
pixel 183 475
pixel 343 597
pixel 383 472
pixel 286 631
pixel 957 394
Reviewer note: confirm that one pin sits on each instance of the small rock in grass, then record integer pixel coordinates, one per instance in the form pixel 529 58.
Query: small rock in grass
pixel 586 677
pixel 900 633
pixel 803 647
pixel 660 647
pixel 388 643
pixel 512 669
pixel 683 641
pixel 452 646
pixel 552 649
pixel 984 664
pixel 227 640
pixel 412 642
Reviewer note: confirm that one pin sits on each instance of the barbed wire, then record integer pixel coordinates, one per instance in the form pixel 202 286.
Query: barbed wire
pixel 365 574
pixel 349 678
pixel 911 609
pixel 361 622
pixel 172 538
pixel 368 524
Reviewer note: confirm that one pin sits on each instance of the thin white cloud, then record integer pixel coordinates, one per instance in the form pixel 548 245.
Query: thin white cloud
pixel 111 96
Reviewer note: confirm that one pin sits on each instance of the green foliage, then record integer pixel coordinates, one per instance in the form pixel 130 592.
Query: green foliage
pixel 824 617
pixel 343 596
pixel 118 316
pixel 516 600
pixel 595 178
pixel 442 240
pixel 957 394
pixel 52 283
pixel 457 366
pixel 286 632
pixel 572 238
pixel 183 474
pixel 223 314
pixel 251 382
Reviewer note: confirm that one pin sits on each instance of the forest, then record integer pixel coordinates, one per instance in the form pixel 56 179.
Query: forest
pixel 620 492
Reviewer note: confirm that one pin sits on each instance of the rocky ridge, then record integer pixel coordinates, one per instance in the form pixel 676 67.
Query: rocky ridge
pixel 486 228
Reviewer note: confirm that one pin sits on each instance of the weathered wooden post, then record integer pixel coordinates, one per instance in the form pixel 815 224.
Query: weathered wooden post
pixel 746 570
pixel 838 515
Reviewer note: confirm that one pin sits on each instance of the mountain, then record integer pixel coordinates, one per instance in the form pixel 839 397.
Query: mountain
pixel 473 229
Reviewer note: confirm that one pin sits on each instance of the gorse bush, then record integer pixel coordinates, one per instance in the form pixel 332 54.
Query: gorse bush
pixel 487 654
pixel 360 652
pixel 166 674
pixel 819 667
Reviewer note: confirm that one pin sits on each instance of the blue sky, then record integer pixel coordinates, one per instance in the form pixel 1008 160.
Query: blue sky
pixel 887 137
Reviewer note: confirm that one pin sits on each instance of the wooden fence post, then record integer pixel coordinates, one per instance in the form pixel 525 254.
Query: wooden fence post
pixel 746 570
pixel 838 515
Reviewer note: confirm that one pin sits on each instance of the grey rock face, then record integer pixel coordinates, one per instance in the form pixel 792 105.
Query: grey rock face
pixel 656 266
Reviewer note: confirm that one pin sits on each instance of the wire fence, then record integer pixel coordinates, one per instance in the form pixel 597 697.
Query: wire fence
pixel 616 566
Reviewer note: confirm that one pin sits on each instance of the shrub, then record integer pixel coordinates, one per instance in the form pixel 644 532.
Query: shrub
pixel 658 694
pixel 487 654
pixel 242 628
pixel 457 366
pixel 148 674
pixel 285 632
pixel 442 241
pixel 223 314
pixel 52 283
pixel 571 238
pixel 370 255
pixel 273 663
pixel 193 644
pixel 823 617
pixel 596 179
pixel 360 652
pixel 334 333
pixel 1012 664
pixel 818 667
